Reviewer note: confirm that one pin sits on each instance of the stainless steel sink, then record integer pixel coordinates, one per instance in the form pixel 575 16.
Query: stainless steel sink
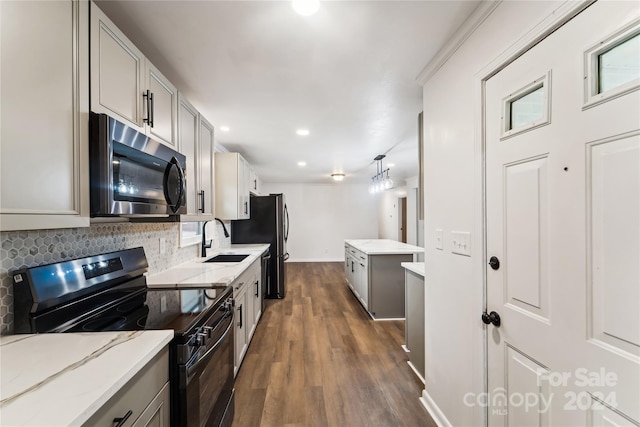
pixel 227 258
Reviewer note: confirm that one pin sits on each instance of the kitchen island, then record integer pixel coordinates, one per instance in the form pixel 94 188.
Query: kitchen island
pixel 375 275
pixel 75 379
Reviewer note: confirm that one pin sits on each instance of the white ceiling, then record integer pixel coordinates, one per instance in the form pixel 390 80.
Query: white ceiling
pixel 347 73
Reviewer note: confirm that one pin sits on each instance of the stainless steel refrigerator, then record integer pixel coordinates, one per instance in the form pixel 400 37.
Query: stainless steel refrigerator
pixel 268 223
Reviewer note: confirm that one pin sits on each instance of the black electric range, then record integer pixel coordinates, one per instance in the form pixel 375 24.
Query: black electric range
pixel 108 292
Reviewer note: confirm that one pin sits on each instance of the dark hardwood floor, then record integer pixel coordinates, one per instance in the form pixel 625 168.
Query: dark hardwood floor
pixel 317 359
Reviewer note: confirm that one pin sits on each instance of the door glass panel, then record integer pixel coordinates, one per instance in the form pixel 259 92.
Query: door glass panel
pixel 527 109
pixel 619 65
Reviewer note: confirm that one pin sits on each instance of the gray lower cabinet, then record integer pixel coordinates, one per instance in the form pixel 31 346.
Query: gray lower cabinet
pixel 377 281
pixel 143 401
pixel 414 324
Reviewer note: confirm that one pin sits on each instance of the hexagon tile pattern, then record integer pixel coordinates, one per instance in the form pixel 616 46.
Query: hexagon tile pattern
pixel 19 249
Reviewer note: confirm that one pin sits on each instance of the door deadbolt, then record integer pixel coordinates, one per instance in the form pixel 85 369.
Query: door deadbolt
pixel 494 262
pixel 492 317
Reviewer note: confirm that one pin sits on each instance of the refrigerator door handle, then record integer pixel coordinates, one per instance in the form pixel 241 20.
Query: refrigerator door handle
pixel 286 227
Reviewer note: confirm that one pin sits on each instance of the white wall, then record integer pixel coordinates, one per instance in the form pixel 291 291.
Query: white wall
pixel 388 215
pixel 454 288
pixel 322 216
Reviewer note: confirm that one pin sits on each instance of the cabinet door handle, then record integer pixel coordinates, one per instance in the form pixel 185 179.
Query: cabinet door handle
pixel 257 293
pixel 352 266
pixel 245 208
pixel 153 109
pixel 255 184
pixel 201 192
pixel 240 322
pixel 120 421
pixel 147 96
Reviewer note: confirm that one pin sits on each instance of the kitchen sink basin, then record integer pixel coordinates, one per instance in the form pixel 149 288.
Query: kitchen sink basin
pixel 227 258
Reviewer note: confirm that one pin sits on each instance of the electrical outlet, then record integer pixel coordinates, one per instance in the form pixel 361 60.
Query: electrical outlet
pixel 163 304
pixel 163 245
pixel 439 239
pixel 461 243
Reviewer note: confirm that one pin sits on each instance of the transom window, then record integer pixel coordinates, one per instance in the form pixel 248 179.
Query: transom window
pixel 619 65
pixel 612 66
pixel 527 108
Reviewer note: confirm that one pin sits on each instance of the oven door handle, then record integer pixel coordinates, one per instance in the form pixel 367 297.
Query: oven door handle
pixel 192 365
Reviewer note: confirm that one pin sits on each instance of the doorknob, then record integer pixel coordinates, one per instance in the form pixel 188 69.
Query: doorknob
pixel 494 262
pixel 492 317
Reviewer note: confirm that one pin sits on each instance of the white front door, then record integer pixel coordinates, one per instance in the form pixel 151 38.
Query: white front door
pixel 563 220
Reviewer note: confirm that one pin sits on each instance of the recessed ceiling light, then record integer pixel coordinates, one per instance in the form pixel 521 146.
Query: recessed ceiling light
pixel 391 165
pixel 302 132
pixel 306 7
pixel 337 176
pixel 225 128
pixel 302 163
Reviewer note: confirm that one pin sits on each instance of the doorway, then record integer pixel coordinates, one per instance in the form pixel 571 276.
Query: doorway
pixel 402 219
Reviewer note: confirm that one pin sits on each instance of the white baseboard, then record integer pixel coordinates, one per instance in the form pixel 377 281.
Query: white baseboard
pixel 406 350
pixel 415 371
pixel 436 414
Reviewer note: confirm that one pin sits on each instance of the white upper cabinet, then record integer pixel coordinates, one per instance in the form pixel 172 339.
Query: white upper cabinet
pixel 126 86
pixel 188 145
pixel 195 141
pixel 232 186
pixel 206 159
pixel 254 182
pixel 44 80
pixel 162 106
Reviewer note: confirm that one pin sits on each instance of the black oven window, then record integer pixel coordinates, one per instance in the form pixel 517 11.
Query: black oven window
pixel 137 176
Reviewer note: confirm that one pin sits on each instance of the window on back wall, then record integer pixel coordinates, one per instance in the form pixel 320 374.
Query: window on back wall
pixel 190 233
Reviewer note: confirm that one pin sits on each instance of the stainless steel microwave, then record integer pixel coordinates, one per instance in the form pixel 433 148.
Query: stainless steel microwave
pixel 131 174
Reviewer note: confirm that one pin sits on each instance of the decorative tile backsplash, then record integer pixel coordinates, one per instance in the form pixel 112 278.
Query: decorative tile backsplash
pixel 20 249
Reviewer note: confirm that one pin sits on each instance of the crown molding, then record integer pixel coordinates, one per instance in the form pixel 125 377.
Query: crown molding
pixel 484 9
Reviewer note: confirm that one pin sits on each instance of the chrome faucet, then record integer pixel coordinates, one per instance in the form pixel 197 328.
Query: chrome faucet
pixel 205 245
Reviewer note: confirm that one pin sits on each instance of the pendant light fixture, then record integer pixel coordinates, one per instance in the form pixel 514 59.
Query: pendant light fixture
pixel 381 180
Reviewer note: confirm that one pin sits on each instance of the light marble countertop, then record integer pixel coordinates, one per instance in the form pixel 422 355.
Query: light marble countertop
pixel 63 379
pixel 384 247
pixel 416 267
pixel 196 273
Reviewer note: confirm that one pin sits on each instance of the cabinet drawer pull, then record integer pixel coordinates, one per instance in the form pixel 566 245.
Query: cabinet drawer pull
pixel 120 421
pixel 240 322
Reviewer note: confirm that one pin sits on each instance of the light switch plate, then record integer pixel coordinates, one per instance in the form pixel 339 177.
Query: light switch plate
pixel 461 243
pixel 439 239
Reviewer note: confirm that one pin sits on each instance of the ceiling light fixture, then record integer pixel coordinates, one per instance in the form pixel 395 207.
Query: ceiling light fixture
pixel 337 176
pixel 302 164
pixel 306 7
pixel 302 132
pixel 225 128
pixel 380 182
